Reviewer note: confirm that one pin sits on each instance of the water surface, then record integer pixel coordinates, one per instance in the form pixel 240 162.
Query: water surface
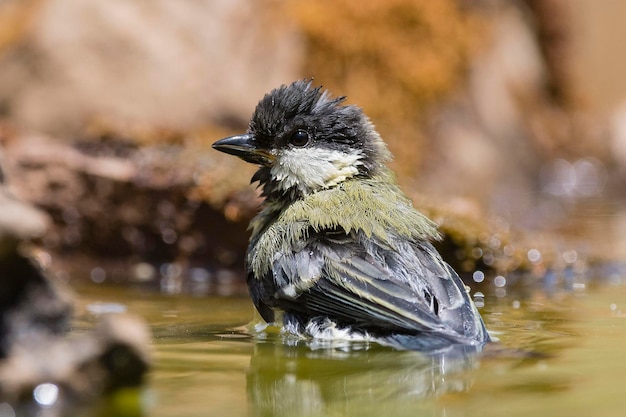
pixel 562 354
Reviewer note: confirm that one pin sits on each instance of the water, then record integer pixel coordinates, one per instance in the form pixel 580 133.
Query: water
pixel 558 355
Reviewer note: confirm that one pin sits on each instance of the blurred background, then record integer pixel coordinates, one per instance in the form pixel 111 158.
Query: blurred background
pixel 507 120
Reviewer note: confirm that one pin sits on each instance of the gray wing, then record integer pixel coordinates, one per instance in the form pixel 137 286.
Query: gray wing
pixel 365 283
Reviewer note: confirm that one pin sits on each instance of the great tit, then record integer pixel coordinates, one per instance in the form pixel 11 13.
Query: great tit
pixel 338 249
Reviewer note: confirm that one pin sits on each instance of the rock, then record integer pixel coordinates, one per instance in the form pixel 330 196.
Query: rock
pixel 32 308
pixel 18 221
pixel 113 356
pixel 114 200
pixel 40 365
pixel 29 303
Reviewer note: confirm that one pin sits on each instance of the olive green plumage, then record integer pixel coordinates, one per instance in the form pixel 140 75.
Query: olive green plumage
pixel 373 206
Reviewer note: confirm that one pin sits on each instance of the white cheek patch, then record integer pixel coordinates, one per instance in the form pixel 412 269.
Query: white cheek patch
pixel 314 169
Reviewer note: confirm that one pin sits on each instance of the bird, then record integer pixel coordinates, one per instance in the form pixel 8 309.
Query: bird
pixel 337 250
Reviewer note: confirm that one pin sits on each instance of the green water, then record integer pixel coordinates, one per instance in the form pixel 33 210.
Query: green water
pixel 559 355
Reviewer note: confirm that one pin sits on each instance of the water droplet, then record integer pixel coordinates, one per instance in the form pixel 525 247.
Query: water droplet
pixel 199 275
pixel 494 242
pixel 171 270
pixel 534 256
pixel 584 178
pixel 590 176
pixel 166 209
pixel 477 252
pixel 143 272
pixel 570 256
pixel 500 292
pixel 558 178
pixel 499 281
pixel 46 394
pixel 98 275
pixel 6 410
pixel 169 236
pixel 170 285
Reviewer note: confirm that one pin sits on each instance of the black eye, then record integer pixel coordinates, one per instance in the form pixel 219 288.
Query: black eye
pixel 299 138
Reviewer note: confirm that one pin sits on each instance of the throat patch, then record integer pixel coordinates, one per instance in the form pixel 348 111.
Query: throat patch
pixel 311 170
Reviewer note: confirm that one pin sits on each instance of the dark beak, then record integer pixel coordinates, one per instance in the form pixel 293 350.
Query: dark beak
pixel 244 147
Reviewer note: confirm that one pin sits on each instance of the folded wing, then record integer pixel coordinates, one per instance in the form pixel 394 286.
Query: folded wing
pixel 381 287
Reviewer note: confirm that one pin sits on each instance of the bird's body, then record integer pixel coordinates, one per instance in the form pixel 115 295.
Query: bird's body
pixel 337 244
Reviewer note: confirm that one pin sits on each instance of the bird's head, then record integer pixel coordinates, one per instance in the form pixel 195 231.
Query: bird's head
pixel 306 141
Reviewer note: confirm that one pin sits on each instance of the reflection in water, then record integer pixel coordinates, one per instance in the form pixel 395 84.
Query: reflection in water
pixel 298 380
pixel 561 352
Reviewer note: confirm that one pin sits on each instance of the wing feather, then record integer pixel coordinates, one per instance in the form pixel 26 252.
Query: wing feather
pixel 359 281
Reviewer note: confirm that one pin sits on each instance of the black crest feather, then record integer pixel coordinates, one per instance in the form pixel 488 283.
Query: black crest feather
pixel 288 101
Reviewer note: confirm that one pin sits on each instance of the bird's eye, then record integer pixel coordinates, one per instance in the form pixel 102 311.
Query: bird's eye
pixel 299 138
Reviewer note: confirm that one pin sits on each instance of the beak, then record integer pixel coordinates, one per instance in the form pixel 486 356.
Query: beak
pixel 244 147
